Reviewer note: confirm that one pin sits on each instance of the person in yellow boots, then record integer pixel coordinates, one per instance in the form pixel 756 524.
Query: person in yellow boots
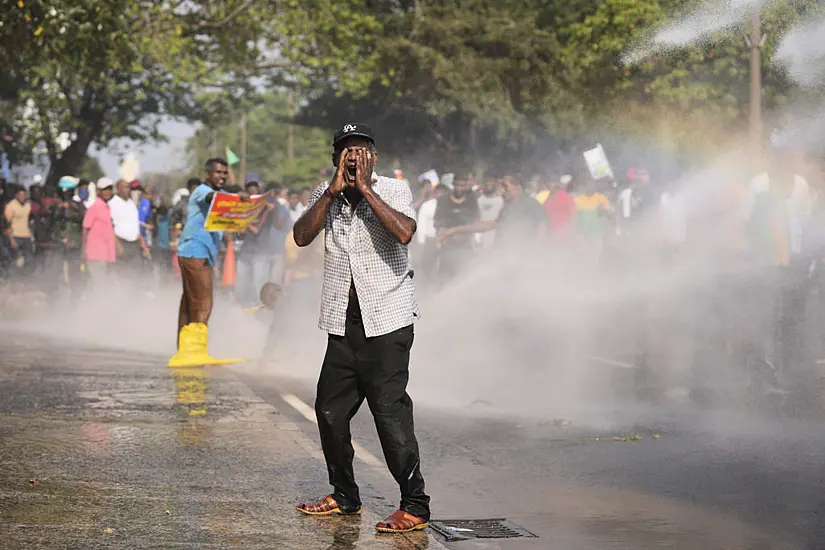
pixel 197 255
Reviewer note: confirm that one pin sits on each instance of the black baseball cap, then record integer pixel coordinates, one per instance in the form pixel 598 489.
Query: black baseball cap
pixel 353 129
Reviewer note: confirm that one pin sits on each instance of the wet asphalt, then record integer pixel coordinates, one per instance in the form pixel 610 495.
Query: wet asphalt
pixel 105 449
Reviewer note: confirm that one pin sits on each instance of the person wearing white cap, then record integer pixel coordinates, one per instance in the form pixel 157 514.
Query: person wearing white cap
pixel 98 249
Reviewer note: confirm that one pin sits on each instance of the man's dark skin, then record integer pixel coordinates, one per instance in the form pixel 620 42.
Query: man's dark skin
pixel 353 178
pixel 215 176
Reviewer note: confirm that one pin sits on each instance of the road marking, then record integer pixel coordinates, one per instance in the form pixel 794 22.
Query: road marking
pixel 309 413
pixel 611 362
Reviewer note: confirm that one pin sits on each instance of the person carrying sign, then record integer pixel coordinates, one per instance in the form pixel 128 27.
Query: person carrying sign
pixel 197 255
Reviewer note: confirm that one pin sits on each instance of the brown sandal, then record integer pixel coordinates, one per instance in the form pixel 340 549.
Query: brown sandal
pixel 401 522
pixel 325 507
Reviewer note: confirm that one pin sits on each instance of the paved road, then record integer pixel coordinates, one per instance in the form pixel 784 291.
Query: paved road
pixel 101 448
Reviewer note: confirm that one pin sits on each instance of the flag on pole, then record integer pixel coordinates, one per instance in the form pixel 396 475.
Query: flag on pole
pixel 231 157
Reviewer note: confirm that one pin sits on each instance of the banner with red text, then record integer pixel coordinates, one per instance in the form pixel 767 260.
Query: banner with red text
pixel 229 213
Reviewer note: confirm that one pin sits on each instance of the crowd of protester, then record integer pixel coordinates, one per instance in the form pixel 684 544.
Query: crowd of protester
pixel 66 236
pixel 724 264
pixel 764 241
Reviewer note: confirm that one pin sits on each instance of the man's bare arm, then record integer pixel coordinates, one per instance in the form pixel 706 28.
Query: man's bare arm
pixel 400 226
pixel 310 224
pixel 83 244
pixel 312 221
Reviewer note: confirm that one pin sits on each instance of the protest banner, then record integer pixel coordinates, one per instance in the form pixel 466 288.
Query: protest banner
pixel 597 163
pixel 229 213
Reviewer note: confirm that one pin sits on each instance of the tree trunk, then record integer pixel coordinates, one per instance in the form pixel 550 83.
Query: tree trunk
pixel 70 160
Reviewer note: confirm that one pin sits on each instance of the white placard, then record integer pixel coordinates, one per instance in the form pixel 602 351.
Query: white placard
pixel 597 163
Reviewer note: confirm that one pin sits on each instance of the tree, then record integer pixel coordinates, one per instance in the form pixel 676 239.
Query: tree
pixel 706 82
pixel 441 81
pixel 90 169
pixel 506 81
pixel 164 184
pixel 99 71
pixel 268 123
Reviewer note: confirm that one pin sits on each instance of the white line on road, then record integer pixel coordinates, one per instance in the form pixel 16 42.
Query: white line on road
pixel 308 413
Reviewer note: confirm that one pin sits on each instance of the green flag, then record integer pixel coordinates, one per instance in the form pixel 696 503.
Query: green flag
pixel 232 157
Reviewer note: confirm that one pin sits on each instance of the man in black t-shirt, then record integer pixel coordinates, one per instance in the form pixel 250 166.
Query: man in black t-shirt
pixel 457 209
pixel 522 220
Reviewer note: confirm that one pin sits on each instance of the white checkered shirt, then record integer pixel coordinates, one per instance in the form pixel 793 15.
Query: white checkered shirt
pixel 359 249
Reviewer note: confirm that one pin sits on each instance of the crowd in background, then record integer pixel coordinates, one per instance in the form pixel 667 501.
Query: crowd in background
pixel 722 268
pixel 63 237
pixel 763 234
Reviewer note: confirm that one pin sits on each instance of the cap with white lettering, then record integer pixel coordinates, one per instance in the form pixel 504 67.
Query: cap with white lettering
pixel 353 129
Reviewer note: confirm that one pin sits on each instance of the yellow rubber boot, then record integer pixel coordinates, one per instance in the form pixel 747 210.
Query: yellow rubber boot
pixel 194 339
pixel 191 347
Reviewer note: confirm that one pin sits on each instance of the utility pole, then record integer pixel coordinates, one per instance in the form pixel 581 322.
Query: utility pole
pixel 243 148
pixel 756 41
pixel 290 131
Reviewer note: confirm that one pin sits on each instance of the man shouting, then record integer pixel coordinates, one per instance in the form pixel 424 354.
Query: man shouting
pixel 367 308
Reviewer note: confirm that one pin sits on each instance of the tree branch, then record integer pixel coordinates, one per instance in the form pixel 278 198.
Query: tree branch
pixel 203 25
pixel 67 91
pixel 270 65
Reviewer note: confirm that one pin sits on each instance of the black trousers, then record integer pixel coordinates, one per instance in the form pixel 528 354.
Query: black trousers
pixel 356 367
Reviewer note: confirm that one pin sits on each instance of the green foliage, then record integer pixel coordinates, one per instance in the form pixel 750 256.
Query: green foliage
pixel 101 71
pixel 468 85
pixel 267 143
pixel 90 169
pixel 507 80
pixel 164 184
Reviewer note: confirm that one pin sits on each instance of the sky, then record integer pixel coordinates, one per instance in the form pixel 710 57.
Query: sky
pixel 152 156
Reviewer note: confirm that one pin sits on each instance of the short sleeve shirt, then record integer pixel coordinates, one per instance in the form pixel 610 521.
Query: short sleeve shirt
pixel 449 214
pixel 100 242
pixel 18 217
pixel 360 251
pixel 519 220
pixel 197 242
pixel 125 218
pixel 588 209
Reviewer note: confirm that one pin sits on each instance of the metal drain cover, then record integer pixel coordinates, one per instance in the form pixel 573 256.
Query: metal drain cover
pixel 465 529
